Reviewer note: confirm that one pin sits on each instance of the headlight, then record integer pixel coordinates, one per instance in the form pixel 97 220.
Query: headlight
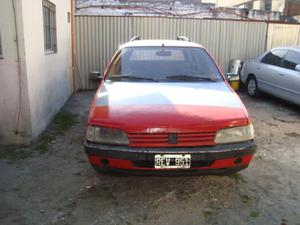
pixel 106 135
pixel 235 134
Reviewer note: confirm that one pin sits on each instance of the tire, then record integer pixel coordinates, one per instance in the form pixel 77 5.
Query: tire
pixel 252 87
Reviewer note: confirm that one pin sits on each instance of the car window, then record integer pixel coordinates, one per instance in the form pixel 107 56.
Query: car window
pixel 161 62
pixel 274 57
pixel 153 55
pixel 291 60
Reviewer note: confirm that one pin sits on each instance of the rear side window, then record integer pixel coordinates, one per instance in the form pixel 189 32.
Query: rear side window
pixel 274 57
pixel 160 62
pixel 291 60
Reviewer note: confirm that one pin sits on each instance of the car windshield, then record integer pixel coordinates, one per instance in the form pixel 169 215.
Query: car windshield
pixel 170 64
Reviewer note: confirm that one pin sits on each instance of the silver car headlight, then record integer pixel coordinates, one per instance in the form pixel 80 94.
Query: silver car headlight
pixel 235 134
pixel 106 135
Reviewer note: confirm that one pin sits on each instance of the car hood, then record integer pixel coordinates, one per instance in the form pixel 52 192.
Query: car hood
pixel 167 107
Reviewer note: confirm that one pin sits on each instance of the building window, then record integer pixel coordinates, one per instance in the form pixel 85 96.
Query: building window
pixel 268 5
pixel 1 54
pixel 249 5
pixel 49 15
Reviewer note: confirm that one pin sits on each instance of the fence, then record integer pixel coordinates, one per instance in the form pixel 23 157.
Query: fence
pixel 98 37
pixel 283 35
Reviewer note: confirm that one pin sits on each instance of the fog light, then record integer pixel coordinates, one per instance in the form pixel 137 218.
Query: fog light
pixel 238 160
pixel 104 162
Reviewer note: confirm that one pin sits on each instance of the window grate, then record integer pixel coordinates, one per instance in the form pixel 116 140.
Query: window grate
pixel 49 16
pixel 268 5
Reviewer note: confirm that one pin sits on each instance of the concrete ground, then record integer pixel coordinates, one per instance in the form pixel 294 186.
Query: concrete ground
pixel 56 185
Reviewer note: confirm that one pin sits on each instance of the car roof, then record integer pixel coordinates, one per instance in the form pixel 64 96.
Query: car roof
pixel 296 48
pixel 156 43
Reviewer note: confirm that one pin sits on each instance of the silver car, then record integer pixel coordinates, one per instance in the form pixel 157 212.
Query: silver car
pixel 276 72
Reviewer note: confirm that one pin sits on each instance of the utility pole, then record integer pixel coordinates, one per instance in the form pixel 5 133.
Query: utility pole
pixel 285 11
pixel 292 8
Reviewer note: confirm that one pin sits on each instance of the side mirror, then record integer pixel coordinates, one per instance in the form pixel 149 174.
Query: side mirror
pixel 234 80
pixel 95 76
pixel 297 68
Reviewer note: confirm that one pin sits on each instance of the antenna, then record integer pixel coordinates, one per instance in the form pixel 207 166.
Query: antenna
pixel 134 38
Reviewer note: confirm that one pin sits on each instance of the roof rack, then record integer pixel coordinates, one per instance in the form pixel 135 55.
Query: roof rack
pixel 135 38
pixel 182 38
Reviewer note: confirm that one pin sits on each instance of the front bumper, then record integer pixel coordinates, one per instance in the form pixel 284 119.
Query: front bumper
pixel 217 159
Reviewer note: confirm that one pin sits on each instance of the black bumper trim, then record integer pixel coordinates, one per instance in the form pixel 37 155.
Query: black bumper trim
pixel 199 153
pixel 222 171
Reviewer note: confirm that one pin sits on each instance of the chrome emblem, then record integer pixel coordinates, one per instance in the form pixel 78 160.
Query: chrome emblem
pixel 172 138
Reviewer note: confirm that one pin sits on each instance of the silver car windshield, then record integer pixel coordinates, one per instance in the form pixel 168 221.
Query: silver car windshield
pixel 171 64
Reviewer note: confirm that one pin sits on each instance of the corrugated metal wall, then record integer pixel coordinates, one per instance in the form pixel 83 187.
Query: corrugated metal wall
pixel 98 37
pixel 283 35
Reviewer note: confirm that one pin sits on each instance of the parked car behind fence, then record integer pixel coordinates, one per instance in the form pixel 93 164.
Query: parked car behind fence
pixel 276 72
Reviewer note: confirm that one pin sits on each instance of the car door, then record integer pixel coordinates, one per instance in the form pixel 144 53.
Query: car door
pixel 290 77
pixel 268 72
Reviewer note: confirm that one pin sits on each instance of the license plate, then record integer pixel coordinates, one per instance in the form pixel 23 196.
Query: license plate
pixel 172 161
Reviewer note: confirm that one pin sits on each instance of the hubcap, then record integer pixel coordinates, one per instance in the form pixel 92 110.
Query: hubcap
pixel 252 87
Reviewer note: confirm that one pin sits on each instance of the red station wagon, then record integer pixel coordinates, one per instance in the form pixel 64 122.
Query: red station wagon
pixel 164 106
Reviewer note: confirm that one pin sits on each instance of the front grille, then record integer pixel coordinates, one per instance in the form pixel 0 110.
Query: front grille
pixel 162 139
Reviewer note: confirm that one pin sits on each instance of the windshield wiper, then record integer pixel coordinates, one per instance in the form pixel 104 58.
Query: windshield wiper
pixel 131 77
pixel 189 78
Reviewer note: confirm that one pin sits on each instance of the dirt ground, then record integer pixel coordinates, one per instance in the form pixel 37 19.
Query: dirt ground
pixel 58 186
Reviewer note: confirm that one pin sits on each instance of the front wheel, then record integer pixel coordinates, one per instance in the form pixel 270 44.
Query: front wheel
pixel 252 88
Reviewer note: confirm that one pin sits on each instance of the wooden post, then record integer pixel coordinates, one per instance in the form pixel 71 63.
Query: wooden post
pixel 74 88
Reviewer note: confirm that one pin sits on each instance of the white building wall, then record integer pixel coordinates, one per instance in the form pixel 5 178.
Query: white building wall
pixel 34 88
pixel 277 5
pixel 229 3
pixel 257 5
pixel 14 104
pixel 49 75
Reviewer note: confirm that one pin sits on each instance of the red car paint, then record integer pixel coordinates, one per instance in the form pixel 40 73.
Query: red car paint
pixel 195 129
pixel 166 118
